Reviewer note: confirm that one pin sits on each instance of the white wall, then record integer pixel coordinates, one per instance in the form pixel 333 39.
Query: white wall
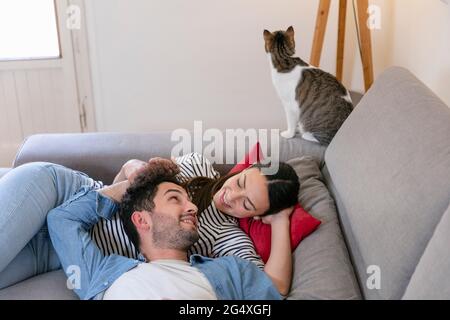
pixel 421 42
pixel 160 65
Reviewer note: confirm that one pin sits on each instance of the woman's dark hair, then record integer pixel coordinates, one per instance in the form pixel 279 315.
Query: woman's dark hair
pixel 283 188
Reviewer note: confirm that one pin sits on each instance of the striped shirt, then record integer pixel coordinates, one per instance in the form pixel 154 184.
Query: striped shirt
pixel 220 234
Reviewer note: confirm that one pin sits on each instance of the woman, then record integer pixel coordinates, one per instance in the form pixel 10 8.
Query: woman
pixel 27 193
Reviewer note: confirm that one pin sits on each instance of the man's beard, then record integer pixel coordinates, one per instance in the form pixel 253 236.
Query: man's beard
pixel 167 233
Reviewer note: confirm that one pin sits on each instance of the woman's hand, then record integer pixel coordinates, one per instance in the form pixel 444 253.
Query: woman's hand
pixel 280 217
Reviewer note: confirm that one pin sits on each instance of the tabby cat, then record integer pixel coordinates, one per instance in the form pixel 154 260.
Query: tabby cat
pixel 313 99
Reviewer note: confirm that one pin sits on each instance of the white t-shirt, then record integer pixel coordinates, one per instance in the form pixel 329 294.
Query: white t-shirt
pixel 159 280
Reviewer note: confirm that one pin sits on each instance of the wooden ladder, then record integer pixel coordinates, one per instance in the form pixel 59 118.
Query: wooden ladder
pixel 364 32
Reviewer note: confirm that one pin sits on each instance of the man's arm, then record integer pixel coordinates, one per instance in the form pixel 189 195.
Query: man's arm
pixel 256 284
pixel 69 226
pixel 115 191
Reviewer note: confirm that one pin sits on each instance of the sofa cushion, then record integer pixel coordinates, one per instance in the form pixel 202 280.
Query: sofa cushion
pixel 47 286
pixel 431 279
pixel 322 267
pixel 390 165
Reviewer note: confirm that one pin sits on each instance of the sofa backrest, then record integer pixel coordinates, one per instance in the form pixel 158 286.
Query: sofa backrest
pixel 389 168
pixel 101 155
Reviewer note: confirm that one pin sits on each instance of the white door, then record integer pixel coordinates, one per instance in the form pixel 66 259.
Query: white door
pixel 42 95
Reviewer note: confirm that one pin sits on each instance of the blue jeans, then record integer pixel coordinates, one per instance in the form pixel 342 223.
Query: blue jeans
pixel 27 194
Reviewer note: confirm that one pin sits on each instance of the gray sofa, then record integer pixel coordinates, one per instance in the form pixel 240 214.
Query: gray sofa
pixel 386 226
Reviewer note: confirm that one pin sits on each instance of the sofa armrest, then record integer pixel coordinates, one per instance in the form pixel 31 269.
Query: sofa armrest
pixel 4 171
pixel 100 155
pixel 389 169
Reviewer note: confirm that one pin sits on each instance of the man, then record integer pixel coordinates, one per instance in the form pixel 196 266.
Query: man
pixel 161 221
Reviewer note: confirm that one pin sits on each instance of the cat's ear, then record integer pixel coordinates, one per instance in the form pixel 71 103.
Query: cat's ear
pixel 290 31
pixel 267 35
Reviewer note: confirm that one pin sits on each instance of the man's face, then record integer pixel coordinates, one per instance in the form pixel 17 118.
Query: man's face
pixel 174 218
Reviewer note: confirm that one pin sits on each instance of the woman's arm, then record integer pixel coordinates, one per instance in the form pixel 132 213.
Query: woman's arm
pixel 279 264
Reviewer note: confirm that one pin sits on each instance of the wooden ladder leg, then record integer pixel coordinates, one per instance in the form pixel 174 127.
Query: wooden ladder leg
pixel 366 42
pixel 319 33
pixel 341 39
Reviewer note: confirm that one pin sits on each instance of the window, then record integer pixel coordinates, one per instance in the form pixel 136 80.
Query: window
pixel 28 30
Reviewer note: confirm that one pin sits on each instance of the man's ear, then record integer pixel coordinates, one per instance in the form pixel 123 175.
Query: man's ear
pixel 141 220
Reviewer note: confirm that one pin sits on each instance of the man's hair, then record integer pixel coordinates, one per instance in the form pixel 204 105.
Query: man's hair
pixel 141 193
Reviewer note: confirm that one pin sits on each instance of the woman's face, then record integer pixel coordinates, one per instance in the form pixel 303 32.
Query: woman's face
pixel 243 195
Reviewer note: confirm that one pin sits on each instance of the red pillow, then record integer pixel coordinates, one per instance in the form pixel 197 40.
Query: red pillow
pixel 302 223
pixel 255 155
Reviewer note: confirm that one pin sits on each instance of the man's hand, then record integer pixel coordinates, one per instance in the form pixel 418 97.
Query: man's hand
pixel 132 168
pixel 128 170
pixel 135 167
